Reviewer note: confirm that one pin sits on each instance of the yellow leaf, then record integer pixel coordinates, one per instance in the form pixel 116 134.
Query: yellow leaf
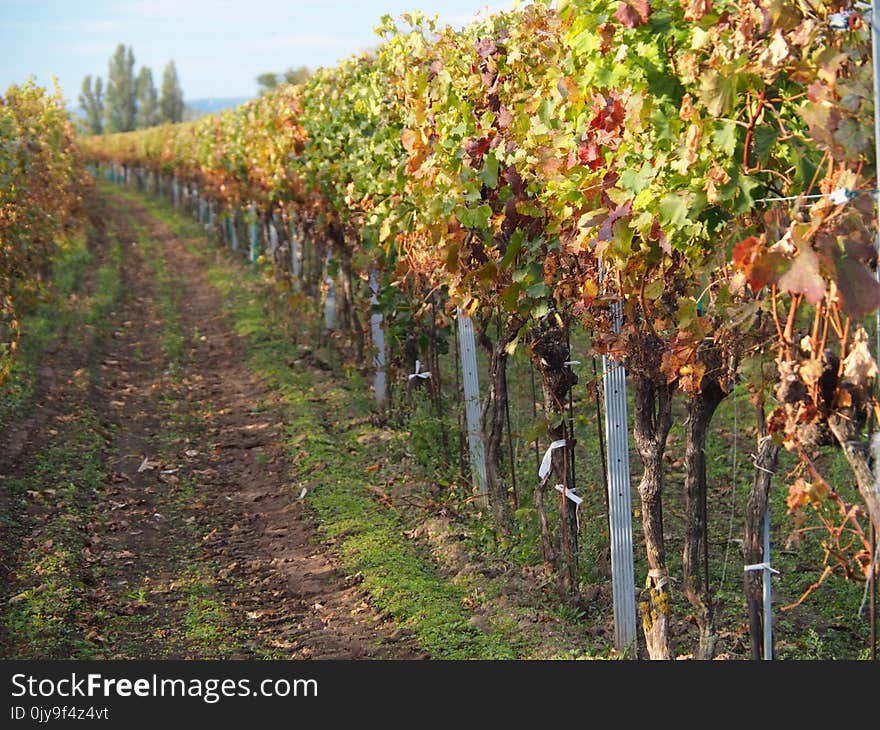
pixel 384 230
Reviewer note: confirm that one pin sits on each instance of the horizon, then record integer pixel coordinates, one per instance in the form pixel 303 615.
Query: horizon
pixel 78 39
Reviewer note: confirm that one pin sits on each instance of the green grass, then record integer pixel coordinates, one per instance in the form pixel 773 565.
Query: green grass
pixel 61 308
pixel 40 620
pixel 61 479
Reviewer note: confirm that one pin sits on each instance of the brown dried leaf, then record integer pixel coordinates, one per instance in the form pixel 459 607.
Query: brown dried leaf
pixel 633 13
pixel 803 277
pixel 859 366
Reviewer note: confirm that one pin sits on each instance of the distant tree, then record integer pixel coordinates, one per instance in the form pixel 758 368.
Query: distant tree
pixel 171 100
pixel 120 105
pixel 268 81
pixel 91 101
pixel 147 100
pixel 297 75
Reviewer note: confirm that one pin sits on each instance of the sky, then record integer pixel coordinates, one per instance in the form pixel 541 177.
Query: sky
pixel 218 46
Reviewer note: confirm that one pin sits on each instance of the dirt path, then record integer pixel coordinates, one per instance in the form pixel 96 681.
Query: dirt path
pixel 193 545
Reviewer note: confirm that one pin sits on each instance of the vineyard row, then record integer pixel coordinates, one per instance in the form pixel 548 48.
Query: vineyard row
pixel 691 183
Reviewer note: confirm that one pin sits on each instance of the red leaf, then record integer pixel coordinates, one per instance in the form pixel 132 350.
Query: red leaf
pixel 859 290
pixel 633 13
pixel 745 251
pixel 761 267
pixel 589 153
pixel 606 232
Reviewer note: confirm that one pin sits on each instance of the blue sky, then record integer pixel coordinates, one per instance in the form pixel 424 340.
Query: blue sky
pixel 218 46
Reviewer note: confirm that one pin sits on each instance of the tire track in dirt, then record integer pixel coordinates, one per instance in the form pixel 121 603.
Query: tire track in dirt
pixel 279 580
pixel 194 546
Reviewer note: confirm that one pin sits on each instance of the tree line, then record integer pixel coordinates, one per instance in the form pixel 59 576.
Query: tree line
pixel 129 102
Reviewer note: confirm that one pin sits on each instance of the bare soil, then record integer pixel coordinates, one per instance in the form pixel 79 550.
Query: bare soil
pixel 197 508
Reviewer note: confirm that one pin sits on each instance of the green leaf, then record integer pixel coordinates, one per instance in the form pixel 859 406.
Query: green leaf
pixel 724 138
pixel 482 215
pixel 673 210
pixel 510 297
pixel 474 217
pixel 717 92
pixel 513 248
pixel 763 140
pixel 637 180
pixel 745 201
pixel 687 312
pixel 537 290
pixel 489 172
pixel 654 289
pixel 541 309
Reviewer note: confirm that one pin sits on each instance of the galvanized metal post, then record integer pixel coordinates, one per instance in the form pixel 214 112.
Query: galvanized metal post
pixel 175 191
pixel 619 499
pixel 467 346
pixel 379 385
pixel 273 234
pixel 255 240
pixel 330 298
pixel 330 305
pixel 295 262
pixel 768 593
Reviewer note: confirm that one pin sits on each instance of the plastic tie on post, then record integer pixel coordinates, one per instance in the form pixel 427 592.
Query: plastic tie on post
pixel 577 500
pixel 547 461
pixel 841 20
pixel 660 576
pixel 841 196
pixel 760 566
pixel 418 373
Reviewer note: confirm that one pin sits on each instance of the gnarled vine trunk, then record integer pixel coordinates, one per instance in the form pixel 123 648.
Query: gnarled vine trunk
pixel 695 571
pixel 493 419
pixel 551 352
pixel 857 454
pixel 653 419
